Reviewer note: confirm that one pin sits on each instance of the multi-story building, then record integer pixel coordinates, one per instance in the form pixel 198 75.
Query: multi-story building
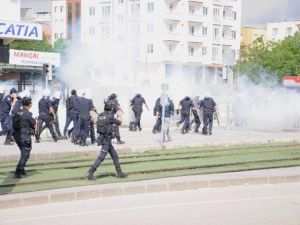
pixel 201 37
pixel 250 34
pixel 66 22
pixel 280 30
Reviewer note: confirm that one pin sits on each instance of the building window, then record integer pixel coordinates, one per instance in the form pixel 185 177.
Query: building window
pixel 56 9
pixel 191 51
pixel 204 50
pixel 204 11
pixel 274 31
pixel 92 31
pixel 216 33
pixel 120 1
pixel 204 31
pixel 92 11
pixel 150 27
pixel 120 18
pixel 150 48
pixel 61 9
pixel 170 49
pixel 233 34
pixel 56 36
pixel 234 15
pixel 105 32
pixel 105 12
pixel 192 10
pixel 135 9
pixel 150 7
pixel 215 53
pixel 171 7
pixel 170 28
pixel 289 30
pixel 192 30
pixel 216 13
pixel 135 30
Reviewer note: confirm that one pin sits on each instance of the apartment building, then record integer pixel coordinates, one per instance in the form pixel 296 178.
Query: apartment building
pixel 278 31
pixel 250 34
pixel 161 37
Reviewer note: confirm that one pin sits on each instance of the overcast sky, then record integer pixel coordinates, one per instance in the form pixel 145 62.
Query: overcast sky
pixel 254 12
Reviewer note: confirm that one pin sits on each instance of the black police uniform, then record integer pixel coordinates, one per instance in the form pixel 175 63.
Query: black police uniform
pixel 85 106
pixel 208 106
pixel 156 109
pixel 107 147
pixel 22 136
pixel 44 117
pixel 71 114
pixel 5 118
pixel 196 120
pixel 115 108
pixel 137 108
pixel 186 105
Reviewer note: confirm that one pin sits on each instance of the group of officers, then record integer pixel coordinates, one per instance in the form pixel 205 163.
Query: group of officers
pixel 18 124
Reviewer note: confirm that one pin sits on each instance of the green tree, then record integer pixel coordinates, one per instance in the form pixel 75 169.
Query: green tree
pixel 279 59
pixel 32 45
pixel 60 46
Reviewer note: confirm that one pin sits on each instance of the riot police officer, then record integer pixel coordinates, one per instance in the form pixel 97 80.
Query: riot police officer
pixel 116 110
pixel 2 93
pixel 196 120
pixel 85 105
pixel 6 105
pixel 186 106
pixel 208 106
pixel 46 115
pixel 23 126
pixel 156 111
pixel 106 131
pixel 71 114
pixel 55 105
pixel 137 108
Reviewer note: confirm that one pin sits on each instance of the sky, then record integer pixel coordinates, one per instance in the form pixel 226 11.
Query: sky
pixel 254 12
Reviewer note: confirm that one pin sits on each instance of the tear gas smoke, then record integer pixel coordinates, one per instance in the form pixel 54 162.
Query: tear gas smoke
pixel 267 106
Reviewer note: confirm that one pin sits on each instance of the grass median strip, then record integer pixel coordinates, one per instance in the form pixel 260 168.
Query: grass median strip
pixel 163 163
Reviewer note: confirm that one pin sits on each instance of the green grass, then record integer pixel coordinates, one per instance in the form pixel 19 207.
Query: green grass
pixel 69 171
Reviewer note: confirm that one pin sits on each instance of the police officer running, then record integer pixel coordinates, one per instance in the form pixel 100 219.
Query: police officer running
pixel 106 125
pixel 23 125
pixel 116 110
pixel 46 115
pixel 208 106
pixel 137 108
pixel 186 106
pixel 6 105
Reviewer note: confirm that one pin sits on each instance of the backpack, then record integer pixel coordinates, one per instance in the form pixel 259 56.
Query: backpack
pixel 102 126
pixel 16 120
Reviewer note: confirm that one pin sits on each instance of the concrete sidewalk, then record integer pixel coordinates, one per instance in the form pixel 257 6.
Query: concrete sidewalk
pixel 145 140
pixel 255 177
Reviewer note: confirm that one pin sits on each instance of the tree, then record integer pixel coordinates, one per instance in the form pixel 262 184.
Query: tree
pixel 32 45
pixel 276 58
pixel 60 46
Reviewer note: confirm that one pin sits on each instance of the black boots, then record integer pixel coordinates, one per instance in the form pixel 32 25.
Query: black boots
pixel 90 174
pixel 122 174
pixel 20 173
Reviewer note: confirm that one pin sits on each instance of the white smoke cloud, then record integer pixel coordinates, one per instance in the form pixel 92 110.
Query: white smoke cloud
pixel 268 106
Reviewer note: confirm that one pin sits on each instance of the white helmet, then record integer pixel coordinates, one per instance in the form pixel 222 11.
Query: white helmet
pixel 25 93
pixel 46 92
pixel 57 94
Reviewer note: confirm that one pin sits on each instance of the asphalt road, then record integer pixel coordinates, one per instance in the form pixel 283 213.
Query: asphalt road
pixel 263 205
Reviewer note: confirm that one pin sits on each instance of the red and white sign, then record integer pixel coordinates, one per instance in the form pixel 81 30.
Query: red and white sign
pixel 291 81
pixel 32 58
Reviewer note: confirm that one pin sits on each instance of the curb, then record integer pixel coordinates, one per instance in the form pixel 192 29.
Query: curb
pixel 139 187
